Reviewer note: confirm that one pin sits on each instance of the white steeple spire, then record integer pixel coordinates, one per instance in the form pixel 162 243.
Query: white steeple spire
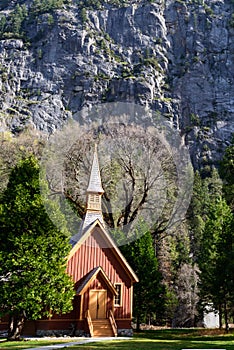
pixel 95 183
pixel 93 199
pixel 94 195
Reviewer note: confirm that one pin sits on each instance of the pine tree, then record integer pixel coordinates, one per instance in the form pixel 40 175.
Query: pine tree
pixel 149 293
pixel 207 217
pixel 196 215
pixel 17 18
pixel 215 260
pixel 33 280
pixel 3 22
pixel 226 172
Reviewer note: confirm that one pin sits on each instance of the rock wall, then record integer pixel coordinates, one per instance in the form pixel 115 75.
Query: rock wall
pixel 172 56
pixel 201 61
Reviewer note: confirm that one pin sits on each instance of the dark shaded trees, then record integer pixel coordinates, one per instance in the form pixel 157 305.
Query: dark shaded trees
pixel 33 278
pixel 215 259
pixel 196 215
pixel 211 242
pixel 187 291
pixel 226 173
pixel 149 292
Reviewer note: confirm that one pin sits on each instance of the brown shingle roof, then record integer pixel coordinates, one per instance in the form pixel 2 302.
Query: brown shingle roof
pixel 85 282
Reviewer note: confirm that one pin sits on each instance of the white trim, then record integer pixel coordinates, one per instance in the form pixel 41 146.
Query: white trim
pixel 121 294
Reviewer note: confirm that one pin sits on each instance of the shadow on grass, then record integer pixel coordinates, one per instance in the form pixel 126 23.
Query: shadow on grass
pixel 176 339
pixel 169 340
pixel 153 345
pixel 187 334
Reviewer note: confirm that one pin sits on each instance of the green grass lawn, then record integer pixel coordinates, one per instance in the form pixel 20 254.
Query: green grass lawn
pixel 147 340
pixel 168 340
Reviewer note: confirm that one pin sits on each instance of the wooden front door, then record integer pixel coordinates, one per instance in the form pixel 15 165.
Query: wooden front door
pixel 97 303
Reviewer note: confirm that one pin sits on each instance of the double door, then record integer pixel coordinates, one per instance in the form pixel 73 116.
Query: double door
pixel 97 303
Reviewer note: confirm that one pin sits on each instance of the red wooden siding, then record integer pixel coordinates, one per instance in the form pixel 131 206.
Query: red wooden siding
pixel 90 255
pixel 58 324
pixel 3 325
pixel 124 324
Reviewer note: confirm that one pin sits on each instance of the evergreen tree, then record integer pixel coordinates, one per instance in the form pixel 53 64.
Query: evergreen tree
pixel 184 279
pixel 17 18
pixel 215 260
pixel 149 293
pixel 204 192
pixel 33 278
pixel 207 217
pixel 226 172
pixel 3 22
pixel 196 216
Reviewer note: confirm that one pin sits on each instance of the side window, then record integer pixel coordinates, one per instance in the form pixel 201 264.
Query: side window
pixel 118 297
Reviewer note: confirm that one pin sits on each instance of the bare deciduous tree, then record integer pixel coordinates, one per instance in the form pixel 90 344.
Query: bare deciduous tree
pixel 138 173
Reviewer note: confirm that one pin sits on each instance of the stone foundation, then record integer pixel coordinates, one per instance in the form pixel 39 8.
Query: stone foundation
pixel 60 333
pixel 125 332
pixel 3 334
pixel 78 333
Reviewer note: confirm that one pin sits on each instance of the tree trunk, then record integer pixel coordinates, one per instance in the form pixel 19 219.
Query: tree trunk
pixel 138 324
pixel 15 326
pixel 226 316
pixel 220 317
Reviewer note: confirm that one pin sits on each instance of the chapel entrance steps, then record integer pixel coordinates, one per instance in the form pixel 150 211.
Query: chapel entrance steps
pixel 102 328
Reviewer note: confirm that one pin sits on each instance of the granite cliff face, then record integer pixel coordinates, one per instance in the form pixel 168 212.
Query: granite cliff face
pixel 173 56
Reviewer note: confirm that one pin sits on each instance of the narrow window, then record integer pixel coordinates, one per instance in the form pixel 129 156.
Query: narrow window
pixel 91 198
pixel 118 297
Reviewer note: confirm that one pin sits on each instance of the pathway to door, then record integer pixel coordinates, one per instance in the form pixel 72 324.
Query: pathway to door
pixel 83 341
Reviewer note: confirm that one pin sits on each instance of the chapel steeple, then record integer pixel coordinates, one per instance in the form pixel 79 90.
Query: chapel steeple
pixel 94 190
pixel 94 194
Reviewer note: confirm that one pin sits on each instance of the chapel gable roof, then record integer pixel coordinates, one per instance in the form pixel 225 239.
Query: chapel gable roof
pixel 109 243
pixel 90 277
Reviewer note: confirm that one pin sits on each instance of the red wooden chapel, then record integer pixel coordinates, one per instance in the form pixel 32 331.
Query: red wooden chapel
pixel 102 277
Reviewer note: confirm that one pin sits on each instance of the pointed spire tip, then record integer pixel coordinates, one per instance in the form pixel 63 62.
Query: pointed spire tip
pixel 95 184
